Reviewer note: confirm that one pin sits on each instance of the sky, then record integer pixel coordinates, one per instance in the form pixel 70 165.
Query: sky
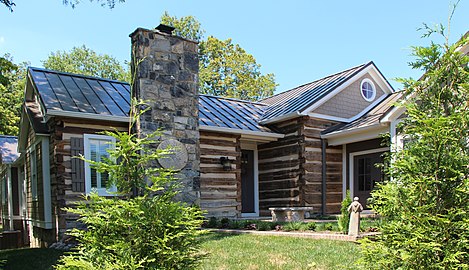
pixel 297 40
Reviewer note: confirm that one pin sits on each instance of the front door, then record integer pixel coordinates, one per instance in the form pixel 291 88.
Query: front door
pixel 366 175
pixel 247 182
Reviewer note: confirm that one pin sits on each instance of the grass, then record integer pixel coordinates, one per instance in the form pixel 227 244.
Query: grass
pixel 29 258
pixel 225 251
pixel 247 252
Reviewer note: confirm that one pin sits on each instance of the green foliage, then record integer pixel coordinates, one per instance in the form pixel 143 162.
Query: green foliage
pixel 187 27
pixel 311 226
pixel 293 226
pixel 145 228
pixel 83 60
pixel 225 69
pixel 9 4
pixel 426 203
pixel 139 233
pixel 109 3
pixel 12 84
pixel 228 70
pixel 344 218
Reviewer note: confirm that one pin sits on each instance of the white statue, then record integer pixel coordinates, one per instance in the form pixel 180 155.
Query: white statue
pixel 354 209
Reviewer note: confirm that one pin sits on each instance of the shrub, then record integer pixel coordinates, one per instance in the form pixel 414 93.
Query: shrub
pixel 293 226
pixel 224 223
pixel 145 228
pixel 212 222
pixel 264 226
pixel 311 226
pixel 344 218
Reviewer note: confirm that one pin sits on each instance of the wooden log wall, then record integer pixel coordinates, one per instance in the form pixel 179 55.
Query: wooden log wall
pixel 311 151
pixel 220 190
pixel 61 179
pixel 279 169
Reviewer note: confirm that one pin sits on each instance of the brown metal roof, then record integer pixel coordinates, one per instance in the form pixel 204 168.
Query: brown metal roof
pixel 302 97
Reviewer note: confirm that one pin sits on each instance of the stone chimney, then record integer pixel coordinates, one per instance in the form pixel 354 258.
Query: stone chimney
pixel 166 77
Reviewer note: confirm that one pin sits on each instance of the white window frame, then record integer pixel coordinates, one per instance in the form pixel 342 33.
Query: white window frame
pixel 87 150
pixel 372 86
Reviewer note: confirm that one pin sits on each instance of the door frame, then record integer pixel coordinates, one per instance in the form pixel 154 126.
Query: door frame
pixel 253 146
pixel 351 164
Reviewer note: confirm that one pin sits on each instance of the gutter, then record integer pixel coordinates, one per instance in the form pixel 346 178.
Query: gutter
pixel 323 177
pixel 242 132
pixel 92 116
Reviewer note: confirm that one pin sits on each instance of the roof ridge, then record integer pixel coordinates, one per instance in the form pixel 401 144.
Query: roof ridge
pixel 235 99
pixel 322 78
pixel 76 75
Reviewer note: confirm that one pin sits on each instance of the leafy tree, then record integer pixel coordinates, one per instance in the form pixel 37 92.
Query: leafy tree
pixel 225 69
pixel 8 3
pixel 344 218
pixel 426 203
pixel 187 27
pixel 110 3
pixel 83 60
pixel 146 229
pixel 12 83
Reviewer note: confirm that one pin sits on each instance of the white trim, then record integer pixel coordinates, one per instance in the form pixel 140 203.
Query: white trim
pixel 373 96
pixel 88 189
pixel 92 116
pixel 243 132
pixel 10 198
pixel 344 171
pixel 351 163
pixel 253 146
pixel 46 186
pixel 329 117
pixel 395 113
pixel 358 135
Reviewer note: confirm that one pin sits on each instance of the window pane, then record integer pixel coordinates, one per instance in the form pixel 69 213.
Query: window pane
pixel 94 178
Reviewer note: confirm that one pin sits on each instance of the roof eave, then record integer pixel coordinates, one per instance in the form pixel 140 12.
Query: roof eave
pixel 269 136
pixel 282 118
pixel 111 118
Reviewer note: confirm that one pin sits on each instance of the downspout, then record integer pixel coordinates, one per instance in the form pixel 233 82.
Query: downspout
pixel 323 184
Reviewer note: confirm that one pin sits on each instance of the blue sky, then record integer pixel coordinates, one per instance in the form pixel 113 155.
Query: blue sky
pixel 298 41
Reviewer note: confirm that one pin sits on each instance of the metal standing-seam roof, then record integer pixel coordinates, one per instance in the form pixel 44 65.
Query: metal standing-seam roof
pixel 302 97
pixel 8 146
pixel 230 113
pixel 61 91
pixel 371 118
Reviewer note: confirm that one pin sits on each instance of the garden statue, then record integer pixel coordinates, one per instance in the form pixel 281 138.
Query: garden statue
pixel 354 209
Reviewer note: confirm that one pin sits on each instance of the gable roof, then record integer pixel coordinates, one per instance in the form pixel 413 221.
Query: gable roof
pixel 62 92
pixel 302 97
pixel 370 119
pixel 8 146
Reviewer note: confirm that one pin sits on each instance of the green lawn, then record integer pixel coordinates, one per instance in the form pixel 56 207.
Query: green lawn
pixel 248 252
pixel 230 252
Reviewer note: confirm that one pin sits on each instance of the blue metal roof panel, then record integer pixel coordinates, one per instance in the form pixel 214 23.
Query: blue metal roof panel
pixel 78 93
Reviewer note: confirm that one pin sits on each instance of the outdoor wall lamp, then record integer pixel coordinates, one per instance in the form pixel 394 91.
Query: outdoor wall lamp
pixel 226 163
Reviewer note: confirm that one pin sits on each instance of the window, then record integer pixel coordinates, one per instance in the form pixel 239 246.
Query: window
pixel 367 88
pixel 96 147
pixel 364 174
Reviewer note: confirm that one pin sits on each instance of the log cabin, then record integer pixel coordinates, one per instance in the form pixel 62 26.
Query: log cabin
pixel 302 147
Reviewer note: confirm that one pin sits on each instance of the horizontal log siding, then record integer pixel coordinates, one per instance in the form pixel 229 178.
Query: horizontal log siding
pixel 220 190
pixel 279 168
pixel 312 167
pixel 61 167
pixel 35 206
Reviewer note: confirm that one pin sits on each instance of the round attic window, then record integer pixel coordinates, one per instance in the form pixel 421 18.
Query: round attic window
pixel 367 88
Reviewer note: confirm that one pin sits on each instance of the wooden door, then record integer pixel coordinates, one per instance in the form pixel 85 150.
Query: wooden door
pixel 366 175
pixel 247 181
